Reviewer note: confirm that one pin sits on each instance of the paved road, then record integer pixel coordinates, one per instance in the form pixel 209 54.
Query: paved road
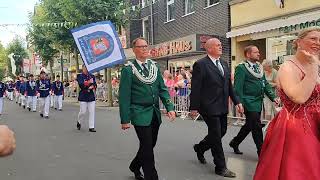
pixel 54 150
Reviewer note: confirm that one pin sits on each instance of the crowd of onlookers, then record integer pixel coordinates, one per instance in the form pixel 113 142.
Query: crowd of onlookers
pixel 179 86
pixel 101 91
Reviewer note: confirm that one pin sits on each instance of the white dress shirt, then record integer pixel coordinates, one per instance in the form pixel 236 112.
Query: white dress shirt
pixel 219 66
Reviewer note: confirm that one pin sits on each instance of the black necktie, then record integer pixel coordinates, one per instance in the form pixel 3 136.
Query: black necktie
pixel 145 69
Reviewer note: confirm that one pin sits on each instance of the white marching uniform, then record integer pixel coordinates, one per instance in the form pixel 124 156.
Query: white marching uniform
pixel 2 92
pixel 58 91
pixel 43 87
pixel 87 98
pixel 31 95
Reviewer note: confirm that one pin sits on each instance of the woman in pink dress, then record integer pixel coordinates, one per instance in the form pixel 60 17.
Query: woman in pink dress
pixel 291 150
pixel 170 85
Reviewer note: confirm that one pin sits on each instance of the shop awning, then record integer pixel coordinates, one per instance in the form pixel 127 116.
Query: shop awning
pixel 275 24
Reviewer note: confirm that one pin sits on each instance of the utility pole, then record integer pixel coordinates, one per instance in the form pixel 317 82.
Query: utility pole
pixel 61 64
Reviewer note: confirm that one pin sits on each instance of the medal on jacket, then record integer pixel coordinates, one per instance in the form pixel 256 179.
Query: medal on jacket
pixel 153 73
pixel 58 85
pixel 32 84
pixel 251 71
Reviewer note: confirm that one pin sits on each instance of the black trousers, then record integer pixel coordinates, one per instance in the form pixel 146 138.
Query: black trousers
pixel 148 136
pixel 217 128
pixel 253 124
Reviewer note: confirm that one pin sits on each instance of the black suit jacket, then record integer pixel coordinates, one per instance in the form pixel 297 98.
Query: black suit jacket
pixel 210 90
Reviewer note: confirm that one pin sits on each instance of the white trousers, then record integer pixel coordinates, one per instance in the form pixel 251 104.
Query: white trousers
pixel 17 96
pixel 58 101
pixel 1 104
pixel 83 109
pixel 10 95
pixel 52 100
pixel 44 105
pixel 32 102
pixel 22 99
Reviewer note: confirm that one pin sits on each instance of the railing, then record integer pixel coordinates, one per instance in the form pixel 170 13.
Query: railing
pixel 181 103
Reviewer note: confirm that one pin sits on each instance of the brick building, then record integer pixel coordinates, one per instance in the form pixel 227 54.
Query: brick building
pixel 177 29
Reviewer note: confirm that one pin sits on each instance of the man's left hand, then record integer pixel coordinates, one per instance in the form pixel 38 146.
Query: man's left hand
pixel 277 101
pixel 172 115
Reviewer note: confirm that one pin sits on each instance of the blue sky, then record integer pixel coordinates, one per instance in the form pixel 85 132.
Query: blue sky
pixel 14 12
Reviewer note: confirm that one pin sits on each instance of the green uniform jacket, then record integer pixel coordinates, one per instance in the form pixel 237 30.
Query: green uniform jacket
pixel 251 89
pixel 138 101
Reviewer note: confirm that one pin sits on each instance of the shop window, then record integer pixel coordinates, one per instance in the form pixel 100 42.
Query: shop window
pixel 145 29
pixel 188 6
pixel 170 10
pixel 211 2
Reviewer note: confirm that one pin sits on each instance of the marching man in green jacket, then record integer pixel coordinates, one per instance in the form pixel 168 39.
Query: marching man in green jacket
pixel 141 86
pixel 250 85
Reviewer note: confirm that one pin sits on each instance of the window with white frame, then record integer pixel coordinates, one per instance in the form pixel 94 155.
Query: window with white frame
pixel 170 10
pixel 188 6
pixel 146 3
pixel 211 2
pixel 145 29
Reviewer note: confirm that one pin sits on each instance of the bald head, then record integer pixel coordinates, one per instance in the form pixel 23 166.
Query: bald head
pixel 213 47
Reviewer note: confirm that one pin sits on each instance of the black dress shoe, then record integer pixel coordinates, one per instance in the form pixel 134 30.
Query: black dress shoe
pixel 78 125
pixel 41 115
pixel 226 173
pixel 235 147
pixel 29 109
pixel 24 106
pixel 46 117
pixel 55 108
pixel 200 156
pixel 137 174
pixel 92 130
pixel 60 109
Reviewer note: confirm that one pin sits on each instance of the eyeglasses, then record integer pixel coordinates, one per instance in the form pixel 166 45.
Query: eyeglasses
pixel 142 47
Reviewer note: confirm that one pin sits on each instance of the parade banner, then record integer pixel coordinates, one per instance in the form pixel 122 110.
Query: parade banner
pixel 99 45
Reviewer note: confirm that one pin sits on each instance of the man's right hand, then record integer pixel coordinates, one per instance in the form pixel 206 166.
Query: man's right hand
pixel 125 126
pixel 7 141
pixel 194 113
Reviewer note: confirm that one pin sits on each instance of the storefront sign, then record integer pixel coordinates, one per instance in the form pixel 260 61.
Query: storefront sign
pixel 297 27
pixel 171 48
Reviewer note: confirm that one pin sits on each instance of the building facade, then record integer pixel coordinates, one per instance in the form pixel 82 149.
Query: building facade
pixel 273 29
pixel 178 29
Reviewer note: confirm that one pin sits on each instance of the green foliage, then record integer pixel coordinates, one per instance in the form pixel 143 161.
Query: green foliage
pixel 48 41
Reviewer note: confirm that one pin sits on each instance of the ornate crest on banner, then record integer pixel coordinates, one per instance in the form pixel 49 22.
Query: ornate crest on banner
pixel 279 3
pixel 99 45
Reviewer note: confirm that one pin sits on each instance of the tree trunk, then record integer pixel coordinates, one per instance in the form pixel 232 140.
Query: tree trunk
pixel 75 52
pixel 51 68
pixel 110 100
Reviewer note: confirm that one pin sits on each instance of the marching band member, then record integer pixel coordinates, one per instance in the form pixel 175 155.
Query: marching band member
pixel 22 91
pixel 17 87
pixel 43 87
pixel 58 91
pixel 31 94
pixel 52 102
pixel 87 84
pixel 2 93
pixel 10 89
